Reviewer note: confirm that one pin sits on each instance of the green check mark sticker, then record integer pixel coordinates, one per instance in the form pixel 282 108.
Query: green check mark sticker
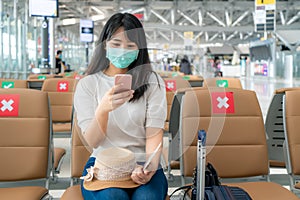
pixel 41 77
pixel 174 74
pixel 186 78
pixel 8 84
pixel 222 83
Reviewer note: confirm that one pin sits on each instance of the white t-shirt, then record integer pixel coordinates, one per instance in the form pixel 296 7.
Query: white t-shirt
pixel 127 124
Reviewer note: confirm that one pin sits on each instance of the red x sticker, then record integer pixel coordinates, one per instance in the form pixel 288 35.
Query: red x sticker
pixel 9 105
pixel 222 102
pixel 62 86
pixel 77 77
pixel 170 85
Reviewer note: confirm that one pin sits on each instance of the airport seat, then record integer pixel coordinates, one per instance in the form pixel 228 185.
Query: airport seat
pixel 25 142
pixel 236 139
pixel 168 74
pixel 194 80
pixel 25 192
pixel 274 128
pixel 291 115
pixel 224 82
pixel 172 84
pixel 40 76
pixel 73 75
pixel 80 153
pixel 172 155
pixel 72 193
pixel 60 92
pixel 13 83
pixel 35 81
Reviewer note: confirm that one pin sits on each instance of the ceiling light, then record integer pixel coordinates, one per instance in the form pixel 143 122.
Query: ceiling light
pixel 69 21
pixel 97 17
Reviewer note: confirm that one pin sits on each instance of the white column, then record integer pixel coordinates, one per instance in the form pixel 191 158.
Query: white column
pixel 51 43
pixel 288 72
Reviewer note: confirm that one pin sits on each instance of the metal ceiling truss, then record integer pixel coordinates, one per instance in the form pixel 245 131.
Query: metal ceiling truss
pixel 211 20
pixel 228 21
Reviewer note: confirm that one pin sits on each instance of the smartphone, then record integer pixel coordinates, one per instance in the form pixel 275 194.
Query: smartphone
pixel 125 80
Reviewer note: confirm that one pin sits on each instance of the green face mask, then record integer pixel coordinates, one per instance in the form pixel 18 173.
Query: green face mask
pixel 121 58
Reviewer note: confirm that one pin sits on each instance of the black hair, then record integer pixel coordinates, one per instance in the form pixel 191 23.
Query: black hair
pixel 58 52
pixel 141 68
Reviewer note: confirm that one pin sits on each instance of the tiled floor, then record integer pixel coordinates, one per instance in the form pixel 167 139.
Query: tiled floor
pixel 264 89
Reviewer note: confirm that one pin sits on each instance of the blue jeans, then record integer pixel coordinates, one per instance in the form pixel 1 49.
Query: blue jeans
pixel 156 189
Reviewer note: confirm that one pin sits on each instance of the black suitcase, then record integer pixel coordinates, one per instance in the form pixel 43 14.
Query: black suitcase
pixel 224 192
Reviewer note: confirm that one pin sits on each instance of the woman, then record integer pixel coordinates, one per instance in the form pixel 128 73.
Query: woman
pixel 132 119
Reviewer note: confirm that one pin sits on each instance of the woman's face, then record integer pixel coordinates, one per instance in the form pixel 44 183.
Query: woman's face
pixel 120 40
pixel 120 51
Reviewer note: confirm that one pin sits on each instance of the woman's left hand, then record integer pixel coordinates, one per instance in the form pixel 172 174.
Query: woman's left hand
pixel 140 176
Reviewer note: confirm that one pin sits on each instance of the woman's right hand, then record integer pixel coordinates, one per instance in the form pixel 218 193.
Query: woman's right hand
pixel 112 100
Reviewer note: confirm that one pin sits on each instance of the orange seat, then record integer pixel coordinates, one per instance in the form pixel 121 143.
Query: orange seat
pixel 236 141
pixel 60 92
pixel 13 83
pixel 224 82
pixel 26 192
pixel 35 81
pixel 265 190
pixel 275 127
pixel 25 139
pixel 291 116
pixel 72 193
pixel 80 154
pixel 172 85
pixel 40 76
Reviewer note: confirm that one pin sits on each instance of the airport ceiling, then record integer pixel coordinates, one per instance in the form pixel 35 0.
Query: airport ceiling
pixel 165 21
pixel 211 21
